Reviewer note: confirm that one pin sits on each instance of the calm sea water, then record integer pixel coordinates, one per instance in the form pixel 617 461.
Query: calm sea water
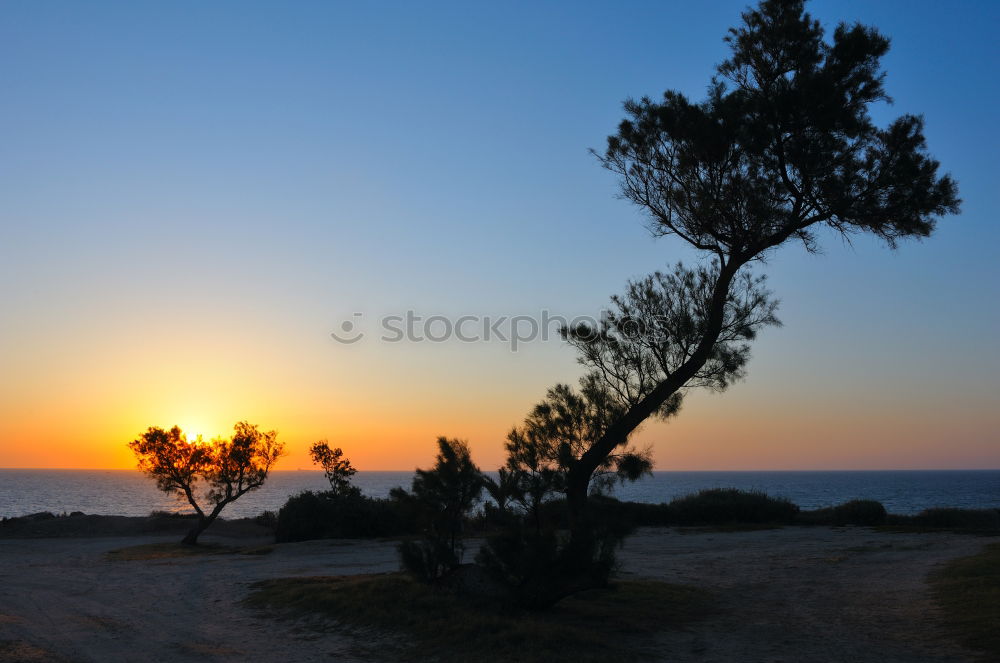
pixel 126 492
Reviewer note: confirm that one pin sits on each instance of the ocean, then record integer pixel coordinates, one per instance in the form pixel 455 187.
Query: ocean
pixel 129 493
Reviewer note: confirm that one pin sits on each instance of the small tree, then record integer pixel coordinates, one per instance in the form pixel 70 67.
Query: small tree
pixel 531 556
pixel 336 467
pixel 503 489
pixel 229 468
pixel 445 494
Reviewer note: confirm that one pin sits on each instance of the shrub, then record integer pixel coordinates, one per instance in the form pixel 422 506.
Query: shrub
pixel 16 521
pixel 721 506
pixel 854 512
pixel 268 519
pixel 442 499
pixel 539 564
pixel 640 514
pixel 870 512
pixel 172 514
pixel 717 506
pixel 491 518
pixel 540 568
pixel 949 518
pixel 324 515
pixel 428 559
pixel 859 512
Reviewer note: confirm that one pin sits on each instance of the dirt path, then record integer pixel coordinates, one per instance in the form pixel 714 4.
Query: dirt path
pixel 795 595
pixel 65 597
pixel 806 594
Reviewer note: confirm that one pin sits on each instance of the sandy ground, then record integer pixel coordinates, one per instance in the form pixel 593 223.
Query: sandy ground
pixel 800 595
pixel 793 594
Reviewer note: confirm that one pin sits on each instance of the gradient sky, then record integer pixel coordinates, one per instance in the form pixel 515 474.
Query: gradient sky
pixel 194 195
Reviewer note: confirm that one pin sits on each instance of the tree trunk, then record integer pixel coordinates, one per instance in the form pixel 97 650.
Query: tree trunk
pixel 191 538
pixel 580 473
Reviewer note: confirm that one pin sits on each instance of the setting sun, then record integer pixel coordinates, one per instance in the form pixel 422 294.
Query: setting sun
pixel 194 430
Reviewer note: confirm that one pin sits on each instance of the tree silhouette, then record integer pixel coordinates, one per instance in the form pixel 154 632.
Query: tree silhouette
pixel 450 488
pixel 783 145
pixel 556 433
pixel 444 495
pixel 651 331
pixel 503 490
pixel 336 467
pixel 230 468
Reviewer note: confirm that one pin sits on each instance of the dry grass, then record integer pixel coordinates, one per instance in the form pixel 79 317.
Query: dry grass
pixel 731 528
pixel 19 651
pixel 598 625
pixel 209 650
pixel 154 551
pixel 968 590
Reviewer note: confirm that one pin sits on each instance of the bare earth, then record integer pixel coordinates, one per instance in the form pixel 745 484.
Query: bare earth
pixel 793 594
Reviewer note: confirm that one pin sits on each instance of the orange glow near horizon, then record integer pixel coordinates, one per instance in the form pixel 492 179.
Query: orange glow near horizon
pixel 76 402
pixel 734 431
pixel 190 210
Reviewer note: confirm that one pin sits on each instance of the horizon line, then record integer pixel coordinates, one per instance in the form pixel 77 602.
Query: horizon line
pixel 865 469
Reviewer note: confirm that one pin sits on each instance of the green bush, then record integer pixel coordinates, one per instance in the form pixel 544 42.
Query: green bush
pixel 539 567
pixel 325 515
pixel 640 514
pixel 854 512
pixel 871 513
pixel 536 563
pixel 948 518
pixel 429 558
pixel 859 512
pixel 723 506
pixel 268 519
pixel 717 506
pixel 631 514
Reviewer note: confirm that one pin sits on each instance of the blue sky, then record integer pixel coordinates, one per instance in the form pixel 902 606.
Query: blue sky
pixel 250 173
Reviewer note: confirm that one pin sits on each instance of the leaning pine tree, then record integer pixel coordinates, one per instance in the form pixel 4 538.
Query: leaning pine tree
pixel 782 146
pixel 652 329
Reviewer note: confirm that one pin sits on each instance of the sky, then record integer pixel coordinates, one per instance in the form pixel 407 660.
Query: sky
pixel 194 196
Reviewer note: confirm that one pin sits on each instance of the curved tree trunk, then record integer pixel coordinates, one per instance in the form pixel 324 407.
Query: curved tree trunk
pixel 191 538
pixel 579 475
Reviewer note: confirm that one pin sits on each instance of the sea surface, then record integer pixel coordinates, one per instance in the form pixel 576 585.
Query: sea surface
pixel 129 493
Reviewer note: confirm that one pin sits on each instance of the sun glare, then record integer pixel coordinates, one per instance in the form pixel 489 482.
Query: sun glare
pixel 195 429
pixel 198 423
